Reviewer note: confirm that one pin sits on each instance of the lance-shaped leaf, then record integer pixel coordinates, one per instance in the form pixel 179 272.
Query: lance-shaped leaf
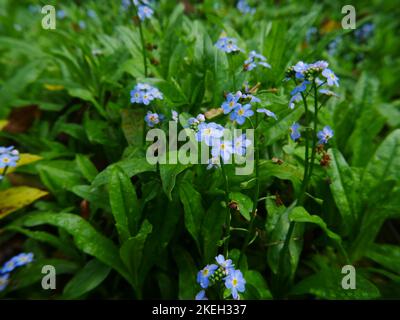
pixel 343 187
pixel 132 252
pixel 299 214
pixel 124 204
pixel 85 236
pixel 87 279
pixel 194 212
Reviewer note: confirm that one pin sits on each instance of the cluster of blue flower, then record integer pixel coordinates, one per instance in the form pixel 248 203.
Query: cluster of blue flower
pixel 143 93
pixel 307 74
pixel 238 106
pixel 225 271
pixel 15 262
pixel 9 157
pixel 229 45
pixel 255 59
pixel 324 135
pixel 212 135
pixel 244 7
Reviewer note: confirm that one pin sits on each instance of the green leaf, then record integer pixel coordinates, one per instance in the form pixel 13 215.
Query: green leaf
pixel 94 195
pixel 45 237
pixel 86 238
pixel 86 167
pixel 131 167
pixel 386 255
pixel 245 204
pixel 132 252
pixel 276 241
pixel 344 188
pixel 21 78
pixel 132 126
pixel 299 214
pixel 59 175
pixel 188 287
pixel 168 174
pixel 326 284
pixel 385 164
pixel 255 282
pixel 194 212
pixel 32 273
pixel 211 230
pixel 87 279
pixel 283 171
pixel 86 95
pixel 124 204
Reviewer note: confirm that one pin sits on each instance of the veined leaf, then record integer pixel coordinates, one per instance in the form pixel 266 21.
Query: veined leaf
pixel 131 167
pixel 132 252
pixel 124 204
pixel 245 204
pixel 168 174
pixel 194 212
pixel 87 279
pixel 386 255
pixel 187 274
pixel 299 214
pixel 344 188
pixel 326 284
pixel 86 238
pixel 86 167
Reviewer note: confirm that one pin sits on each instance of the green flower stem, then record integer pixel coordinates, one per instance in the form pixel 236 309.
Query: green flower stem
pixel 306 155
pixel 4 172
pixel 307 171
pixel 228 211
pixel 314 141
pixel 232 70
pixel 144 54
pixel 256 192
pixel 143 41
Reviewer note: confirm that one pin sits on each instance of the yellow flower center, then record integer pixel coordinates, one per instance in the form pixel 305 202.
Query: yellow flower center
pixel 205 272
pixel 240 112
pixel 222 146
pixel 231 104
pixel 6 160
pixel 234 282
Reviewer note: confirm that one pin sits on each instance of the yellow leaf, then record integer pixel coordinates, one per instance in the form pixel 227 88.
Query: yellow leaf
pixel 25 158
pixel 3 123
pixel 53 87
pixel 16 198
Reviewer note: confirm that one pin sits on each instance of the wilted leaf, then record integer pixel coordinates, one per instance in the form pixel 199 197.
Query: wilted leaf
pixel 16 198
